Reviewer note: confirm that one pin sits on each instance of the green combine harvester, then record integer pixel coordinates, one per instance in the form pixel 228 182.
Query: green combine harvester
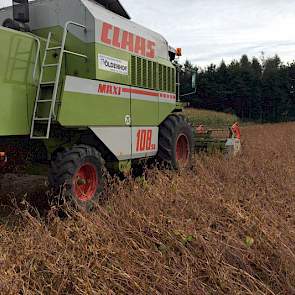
pixel 94 90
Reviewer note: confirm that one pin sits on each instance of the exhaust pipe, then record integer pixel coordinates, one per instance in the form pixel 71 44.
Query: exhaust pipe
pixel 21 16
pixel 21 12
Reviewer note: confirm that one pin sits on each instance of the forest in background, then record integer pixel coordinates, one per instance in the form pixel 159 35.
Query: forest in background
pixel 254 89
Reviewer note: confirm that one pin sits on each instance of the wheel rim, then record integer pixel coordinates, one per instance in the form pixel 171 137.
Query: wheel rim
pixel 86 182
pixel 182 150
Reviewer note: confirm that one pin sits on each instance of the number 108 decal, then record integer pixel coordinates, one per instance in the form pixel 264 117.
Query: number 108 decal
pixel 144 140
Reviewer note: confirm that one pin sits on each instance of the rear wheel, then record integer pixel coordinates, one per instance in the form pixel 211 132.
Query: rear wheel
pixel 79 172
pixel 175 142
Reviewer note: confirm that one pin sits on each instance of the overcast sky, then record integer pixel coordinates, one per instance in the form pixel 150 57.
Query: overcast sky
pixel 212 30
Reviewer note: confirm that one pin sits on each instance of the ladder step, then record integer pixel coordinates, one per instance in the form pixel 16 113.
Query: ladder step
pixel 50 65
pixel 44 100
pixel 53 48
pixel 48 83
pixel 39 137
pixel 41 119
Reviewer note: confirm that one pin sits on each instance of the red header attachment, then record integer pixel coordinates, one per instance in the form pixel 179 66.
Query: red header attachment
pixel 236 130
pixel 178 52
pixel 201 129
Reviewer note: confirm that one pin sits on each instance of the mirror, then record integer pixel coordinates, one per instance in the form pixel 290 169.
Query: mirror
pixel 194 80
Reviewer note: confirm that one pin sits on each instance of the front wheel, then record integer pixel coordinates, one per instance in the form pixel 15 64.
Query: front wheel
pixel 176 142
pixel 79 172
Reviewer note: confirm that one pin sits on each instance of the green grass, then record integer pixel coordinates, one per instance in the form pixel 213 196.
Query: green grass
pixel 210 118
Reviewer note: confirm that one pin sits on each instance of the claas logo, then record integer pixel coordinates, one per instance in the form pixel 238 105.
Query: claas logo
pixel 112 35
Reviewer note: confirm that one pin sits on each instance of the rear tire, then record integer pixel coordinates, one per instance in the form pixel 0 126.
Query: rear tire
pixel 79 174
pixel 176 142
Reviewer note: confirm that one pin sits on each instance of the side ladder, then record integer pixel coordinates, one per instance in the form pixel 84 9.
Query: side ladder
pixel 44 108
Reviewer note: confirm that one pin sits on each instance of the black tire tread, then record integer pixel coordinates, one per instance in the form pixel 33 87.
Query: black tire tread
pixel 167 134
pixel 63 168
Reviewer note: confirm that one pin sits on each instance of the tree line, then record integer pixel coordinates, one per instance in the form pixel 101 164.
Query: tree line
pixel 254 89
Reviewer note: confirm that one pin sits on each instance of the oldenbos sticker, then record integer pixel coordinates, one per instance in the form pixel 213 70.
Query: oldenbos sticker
pixel 111 64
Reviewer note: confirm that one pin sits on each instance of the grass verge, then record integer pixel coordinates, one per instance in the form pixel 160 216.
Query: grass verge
pixel 210 118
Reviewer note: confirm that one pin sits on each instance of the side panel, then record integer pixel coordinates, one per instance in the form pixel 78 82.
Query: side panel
pixel 87 102
pixel 144 107
pixel 166 105
pixel 17 89
pixel 150 108
pixel 129 143
pixel 117 139
pixel 126 35
pixel 107 60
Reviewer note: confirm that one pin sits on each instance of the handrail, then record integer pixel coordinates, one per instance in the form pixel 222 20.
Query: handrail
pixel 37 55
pixel 75 24
pixel 62 51
pixel 76 54
pixel 65 34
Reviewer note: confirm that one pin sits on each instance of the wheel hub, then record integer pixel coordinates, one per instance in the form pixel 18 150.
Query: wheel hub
pixel 182 150
pixel 85 182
